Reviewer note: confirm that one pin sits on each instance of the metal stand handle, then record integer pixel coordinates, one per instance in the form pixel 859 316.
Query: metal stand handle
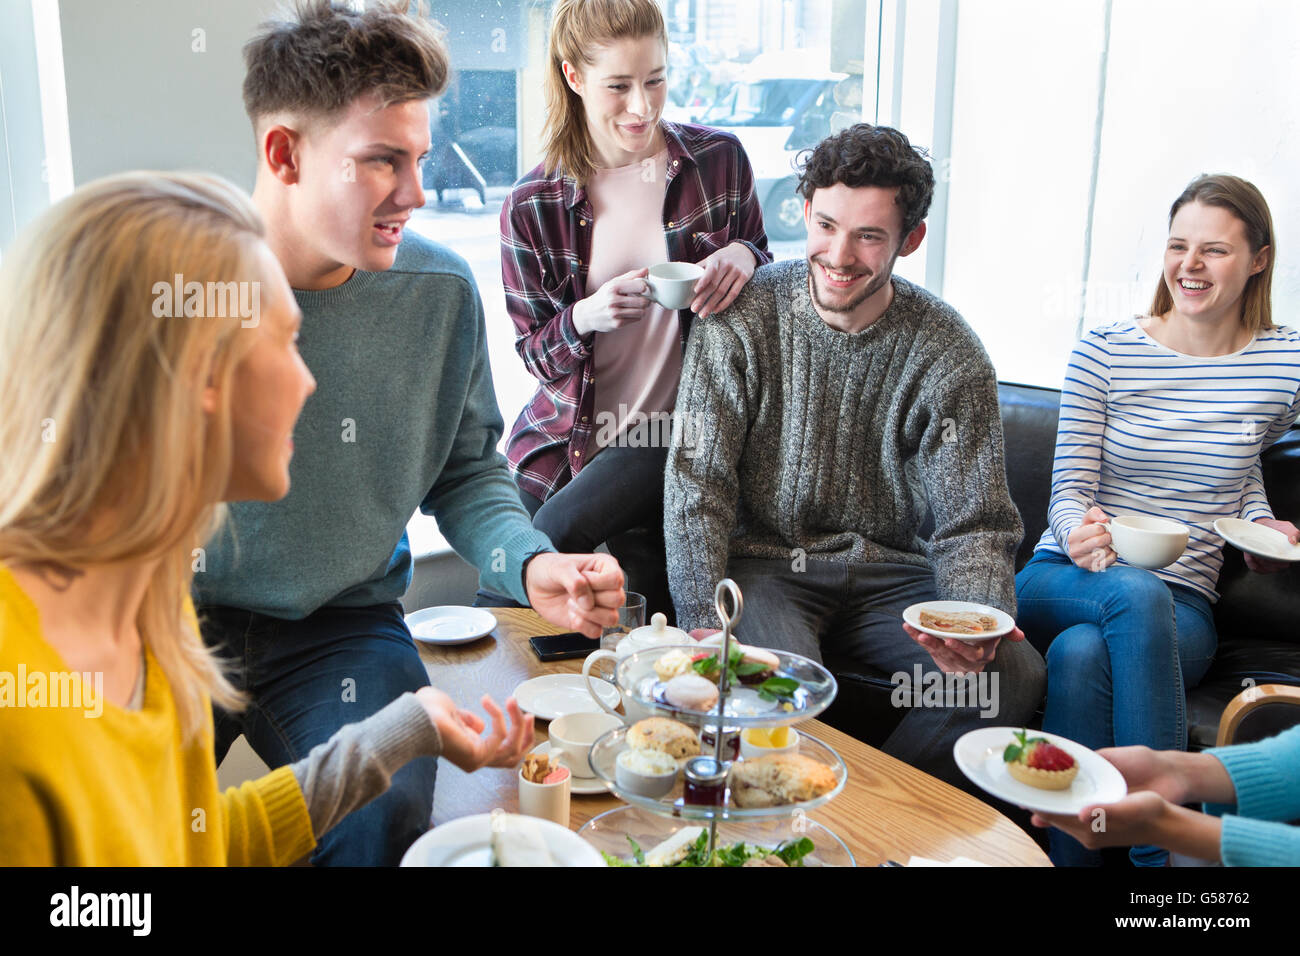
pixel 726 588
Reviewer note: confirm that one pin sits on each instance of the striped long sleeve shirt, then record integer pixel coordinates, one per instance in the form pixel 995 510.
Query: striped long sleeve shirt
pixel 1147 430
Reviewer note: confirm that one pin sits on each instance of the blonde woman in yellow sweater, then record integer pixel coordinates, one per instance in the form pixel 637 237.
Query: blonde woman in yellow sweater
pixel 135 402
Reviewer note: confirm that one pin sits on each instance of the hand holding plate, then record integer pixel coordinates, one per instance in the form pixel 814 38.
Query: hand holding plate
pixel 1265 565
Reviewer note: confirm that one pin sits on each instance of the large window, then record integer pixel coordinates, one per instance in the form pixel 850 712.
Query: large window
pixel 1060 132
pixel 1074 127
pixel 761 68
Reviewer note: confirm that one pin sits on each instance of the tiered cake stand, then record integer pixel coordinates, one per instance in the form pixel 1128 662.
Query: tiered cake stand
pixel 650 820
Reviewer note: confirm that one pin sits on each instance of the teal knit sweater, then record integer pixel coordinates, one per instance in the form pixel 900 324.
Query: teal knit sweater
pixel 404 416
pixel 1266 776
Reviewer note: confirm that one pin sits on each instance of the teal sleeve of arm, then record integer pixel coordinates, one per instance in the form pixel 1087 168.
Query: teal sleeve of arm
pixel 1247 842
pixel 474 499
pixel 1266 778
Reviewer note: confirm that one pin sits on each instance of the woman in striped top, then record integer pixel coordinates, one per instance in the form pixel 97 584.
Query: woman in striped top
pixel 1162 415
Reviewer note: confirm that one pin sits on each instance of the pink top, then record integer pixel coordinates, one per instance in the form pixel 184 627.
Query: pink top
pixel 636 368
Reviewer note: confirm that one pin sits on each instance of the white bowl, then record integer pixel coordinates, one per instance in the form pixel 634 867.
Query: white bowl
pixel 643 784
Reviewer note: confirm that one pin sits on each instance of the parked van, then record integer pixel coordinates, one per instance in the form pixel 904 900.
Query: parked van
pixel 781 105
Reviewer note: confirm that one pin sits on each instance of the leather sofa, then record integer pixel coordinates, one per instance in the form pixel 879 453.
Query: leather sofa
pixel 1257 616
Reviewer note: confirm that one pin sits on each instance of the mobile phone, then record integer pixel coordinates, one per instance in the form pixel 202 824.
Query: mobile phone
pixel 562 647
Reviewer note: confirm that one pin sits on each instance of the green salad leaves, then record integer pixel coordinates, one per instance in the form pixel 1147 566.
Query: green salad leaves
pixel 791 852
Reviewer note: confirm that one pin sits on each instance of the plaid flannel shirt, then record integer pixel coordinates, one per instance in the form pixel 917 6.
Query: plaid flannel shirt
pixel 546 227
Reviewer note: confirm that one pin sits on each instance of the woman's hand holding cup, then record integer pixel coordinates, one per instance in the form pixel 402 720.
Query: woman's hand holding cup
pixel 619 302
pixel 1089 543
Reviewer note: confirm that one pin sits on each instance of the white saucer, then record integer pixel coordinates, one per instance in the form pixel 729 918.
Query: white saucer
pixel 579 785
pixel 468 842
pixel 979 756
pixel 554 695
pixel 1257 539
pixel 450 624
pixel 913 617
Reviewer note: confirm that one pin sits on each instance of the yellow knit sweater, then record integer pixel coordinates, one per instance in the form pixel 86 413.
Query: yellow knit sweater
pixel 120 788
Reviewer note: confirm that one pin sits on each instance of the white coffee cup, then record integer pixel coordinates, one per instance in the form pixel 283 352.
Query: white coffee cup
pixel 672 284
pixel 1147 542
pixel 572 736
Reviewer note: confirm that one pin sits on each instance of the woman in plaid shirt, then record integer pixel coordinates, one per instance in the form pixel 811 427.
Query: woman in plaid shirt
pixel 620 190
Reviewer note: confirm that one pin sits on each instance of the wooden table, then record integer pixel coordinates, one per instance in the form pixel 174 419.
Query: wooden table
pixel 887 810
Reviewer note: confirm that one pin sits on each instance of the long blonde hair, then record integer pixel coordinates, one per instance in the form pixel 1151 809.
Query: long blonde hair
pixel 1244 200
pixel 578 27
pixel 108 454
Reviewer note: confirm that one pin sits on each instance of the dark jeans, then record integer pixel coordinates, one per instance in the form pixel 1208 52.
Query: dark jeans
pixel 618 501
pixel 856 613
pixel 308 678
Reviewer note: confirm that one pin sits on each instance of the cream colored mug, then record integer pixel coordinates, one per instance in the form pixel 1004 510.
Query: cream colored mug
pixel 1147 542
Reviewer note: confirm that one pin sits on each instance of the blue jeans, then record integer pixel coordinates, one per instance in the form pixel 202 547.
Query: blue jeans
pixel 308 678
pixel 1122 646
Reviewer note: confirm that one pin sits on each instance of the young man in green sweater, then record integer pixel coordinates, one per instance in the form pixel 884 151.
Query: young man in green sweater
pixel 830 407
pixel 302 594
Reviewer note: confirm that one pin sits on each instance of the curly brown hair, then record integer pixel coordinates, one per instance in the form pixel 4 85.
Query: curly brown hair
pixel 866 155
pixel 321 56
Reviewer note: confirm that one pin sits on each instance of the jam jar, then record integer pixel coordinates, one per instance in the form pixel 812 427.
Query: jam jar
pixel 730 742
pixel 706 782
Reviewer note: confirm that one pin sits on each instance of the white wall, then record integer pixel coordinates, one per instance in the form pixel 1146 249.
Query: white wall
pixel 1192 90
pixel 24 192
pixel 146 91
pixel 1023 123
pixel 1192 86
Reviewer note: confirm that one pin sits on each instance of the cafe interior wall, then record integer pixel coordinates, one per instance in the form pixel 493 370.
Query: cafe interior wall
pixel 22 183
pixel 1185 99
pixel 157 85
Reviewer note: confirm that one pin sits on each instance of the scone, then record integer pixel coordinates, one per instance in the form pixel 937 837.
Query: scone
pixel 779 779
pixel 1039 763
pixel 665 735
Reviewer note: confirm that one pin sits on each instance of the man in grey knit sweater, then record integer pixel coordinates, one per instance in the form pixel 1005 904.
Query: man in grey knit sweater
pixel 827 411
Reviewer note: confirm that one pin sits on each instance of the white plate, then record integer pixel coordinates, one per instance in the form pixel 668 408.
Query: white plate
pixel 468 842
pixel 1257 539
pixel 579 785
pixel 979 755
pixel 450 624
pixel 554 695
pixel 913 617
